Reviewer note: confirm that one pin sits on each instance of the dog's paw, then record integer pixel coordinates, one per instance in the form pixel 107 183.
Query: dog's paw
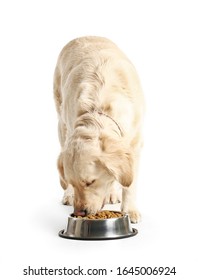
pixel 68 197
pixel 134 216
pixel 67 200
pixel 113 198
pixel 114 195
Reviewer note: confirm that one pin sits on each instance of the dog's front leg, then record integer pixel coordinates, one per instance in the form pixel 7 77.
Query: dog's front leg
pixel 129 195
pixel 129 204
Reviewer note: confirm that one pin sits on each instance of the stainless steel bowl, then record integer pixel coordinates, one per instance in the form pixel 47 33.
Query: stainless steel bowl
pixel 99 229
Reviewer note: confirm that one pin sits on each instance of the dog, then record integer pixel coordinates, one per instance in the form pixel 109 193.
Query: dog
pixel 100 107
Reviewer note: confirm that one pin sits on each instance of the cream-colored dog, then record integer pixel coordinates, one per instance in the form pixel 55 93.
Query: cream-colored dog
pixel 100 107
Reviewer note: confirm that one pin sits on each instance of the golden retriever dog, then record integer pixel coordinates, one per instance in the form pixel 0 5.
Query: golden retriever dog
pixel 100 107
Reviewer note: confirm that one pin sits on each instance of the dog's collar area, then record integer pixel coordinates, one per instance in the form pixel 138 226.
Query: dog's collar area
pixel 101 113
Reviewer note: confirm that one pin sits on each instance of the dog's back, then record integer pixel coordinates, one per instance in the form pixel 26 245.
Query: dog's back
pixel 94 72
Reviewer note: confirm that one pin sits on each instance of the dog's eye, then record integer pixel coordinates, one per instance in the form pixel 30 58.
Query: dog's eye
pixel 90 183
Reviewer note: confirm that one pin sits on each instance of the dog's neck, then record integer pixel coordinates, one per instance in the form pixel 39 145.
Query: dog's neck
pixel 101 113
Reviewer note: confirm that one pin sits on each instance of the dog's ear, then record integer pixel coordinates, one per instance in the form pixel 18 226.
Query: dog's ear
pixel 117 159
pixel 60 166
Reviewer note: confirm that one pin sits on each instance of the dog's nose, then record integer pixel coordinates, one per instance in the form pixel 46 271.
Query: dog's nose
pixel 81 213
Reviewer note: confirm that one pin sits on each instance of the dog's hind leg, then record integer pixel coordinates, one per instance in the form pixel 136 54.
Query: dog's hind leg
pixel 114 195
pixel 68 197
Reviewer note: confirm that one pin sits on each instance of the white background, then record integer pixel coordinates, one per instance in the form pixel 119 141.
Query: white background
pixel 161 38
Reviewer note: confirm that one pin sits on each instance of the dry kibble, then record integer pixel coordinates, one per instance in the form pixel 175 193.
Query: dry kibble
pixel 105 214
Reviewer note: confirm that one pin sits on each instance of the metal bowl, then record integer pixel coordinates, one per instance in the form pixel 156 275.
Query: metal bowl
pixel 99 229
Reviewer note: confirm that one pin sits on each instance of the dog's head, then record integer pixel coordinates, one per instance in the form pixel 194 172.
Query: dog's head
pixel 91 164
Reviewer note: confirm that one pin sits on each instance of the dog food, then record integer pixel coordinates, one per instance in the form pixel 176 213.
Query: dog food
pixel 102 215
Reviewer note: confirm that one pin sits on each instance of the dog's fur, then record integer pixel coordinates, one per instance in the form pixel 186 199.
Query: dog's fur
pixel 100 107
